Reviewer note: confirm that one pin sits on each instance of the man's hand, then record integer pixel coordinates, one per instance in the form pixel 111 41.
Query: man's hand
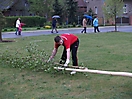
pixel 53 54
pixel 67 62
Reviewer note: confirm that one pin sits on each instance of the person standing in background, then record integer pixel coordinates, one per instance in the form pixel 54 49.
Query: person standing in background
pixel 17 25
pixel 54 22
pixel 84 22
pixel 95 24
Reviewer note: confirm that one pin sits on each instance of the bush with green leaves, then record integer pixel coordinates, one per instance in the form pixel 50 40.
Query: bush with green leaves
pixel 30 21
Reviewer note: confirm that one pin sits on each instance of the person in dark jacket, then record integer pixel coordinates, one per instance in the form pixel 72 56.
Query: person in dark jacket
pixel 54 22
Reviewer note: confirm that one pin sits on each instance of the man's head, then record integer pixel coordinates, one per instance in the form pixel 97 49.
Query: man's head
pixel 58 40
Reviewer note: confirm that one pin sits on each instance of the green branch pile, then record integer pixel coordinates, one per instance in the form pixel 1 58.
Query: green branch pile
pixel 34 59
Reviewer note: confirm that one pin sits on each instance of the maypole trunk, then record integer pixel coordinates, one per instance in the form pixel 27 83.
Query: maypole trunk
pixel 126 74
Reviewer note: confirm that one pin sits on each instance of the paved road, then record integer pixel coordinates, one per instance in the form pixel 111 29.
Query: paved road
pixel 68 30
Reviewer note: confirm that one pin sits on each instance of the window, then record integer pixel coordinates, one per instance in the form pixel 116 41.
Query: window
pixel 96 10
pixel 125 9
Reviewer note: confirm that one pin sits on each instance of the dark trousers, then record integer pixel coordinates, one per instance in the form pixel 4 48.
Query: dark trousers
pixel 73 49
pixel 96 28
pixel 84 30
pixel 17 30
pixel 54 28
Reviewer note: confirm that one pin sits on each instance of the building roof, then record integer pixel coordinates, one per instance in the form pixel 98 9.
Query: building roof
pixel 6 4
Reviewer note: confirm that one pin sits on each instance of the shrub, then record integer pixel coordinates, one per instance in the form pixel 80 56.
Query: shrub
pixel 47 27
pixel 11 30
pixel 69 26
pixel 78 25
pixel 47 23
pixel 74 24
pixel 30 21
pixel 38 28
pixel 4 29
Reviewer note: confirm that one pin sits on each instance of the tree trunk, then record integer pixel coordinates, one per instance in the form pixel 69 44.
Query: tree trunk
pixel 115 24
pixel 0 35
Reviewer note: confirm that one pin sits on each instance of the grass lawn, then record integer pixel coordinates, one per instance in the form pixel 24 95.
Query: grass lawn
pixel 23 29
pixel 103 51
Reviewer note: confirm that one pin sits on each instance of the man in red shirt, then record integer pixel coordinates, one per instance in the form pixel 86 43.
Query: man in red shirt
pixel 70 43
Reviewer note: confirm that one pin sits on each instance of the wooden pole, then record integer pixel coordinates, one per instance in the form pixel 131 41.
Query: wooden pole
pixel 127 74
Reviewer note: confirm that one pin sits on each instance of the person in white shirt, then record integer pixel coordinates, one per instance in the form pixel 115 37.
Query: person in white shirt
pixel 17 25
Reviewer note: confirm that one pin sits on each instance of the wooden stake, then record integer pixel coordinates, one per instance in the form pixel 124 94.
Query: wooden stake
pixel 69 66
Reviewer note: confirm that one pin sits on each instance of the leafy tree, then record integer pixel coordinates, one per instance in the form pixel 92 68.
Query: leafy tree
pixel 64 10
pixel 41 7
pixel 57 8
pixel 2 23
pixel 91 12
pixel 112 9
pixel 4 4
pixel 71 8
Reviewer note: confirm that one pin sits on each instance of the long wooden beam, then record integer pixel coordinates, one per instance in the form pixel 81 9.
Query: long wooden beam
pixel 127 74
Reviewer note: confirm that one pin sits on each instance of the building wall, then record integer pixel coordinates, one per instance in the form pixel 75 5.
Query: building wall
pixel 96 6
pixel 129 6
pixel 129 11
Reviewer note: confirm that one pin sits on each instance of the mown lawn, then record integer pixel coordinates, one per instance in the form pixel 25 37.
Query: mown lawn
pixel 24 29
pixel 103 51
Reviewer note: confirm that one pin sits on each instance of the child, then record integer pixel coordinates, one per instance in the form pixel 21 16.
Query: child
pixel 20 28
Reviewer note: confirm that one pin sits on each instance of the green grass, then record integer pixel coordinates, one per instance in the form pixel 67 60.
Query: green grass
pixel 23 29
pixel 103 51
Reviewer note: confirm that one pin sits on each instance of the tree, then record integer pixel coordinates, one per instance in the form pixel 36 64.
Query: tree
pixel 71 8
pixel 40 7
pixel 4 4
pixel 2 23
pixel 112 9
pixel 57 8
pixel 90 12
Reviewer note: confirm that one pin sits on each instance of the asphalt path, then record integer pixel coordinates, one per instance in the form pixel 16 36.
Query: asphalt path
pixel 67 30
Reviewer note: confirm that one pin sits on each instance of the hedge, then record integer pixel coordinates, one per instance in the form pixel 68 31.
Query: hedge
pixel 30 21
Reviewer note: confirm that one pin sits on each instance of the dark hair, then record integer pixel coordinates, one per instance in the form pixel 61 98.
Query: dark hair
pixel 57 39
